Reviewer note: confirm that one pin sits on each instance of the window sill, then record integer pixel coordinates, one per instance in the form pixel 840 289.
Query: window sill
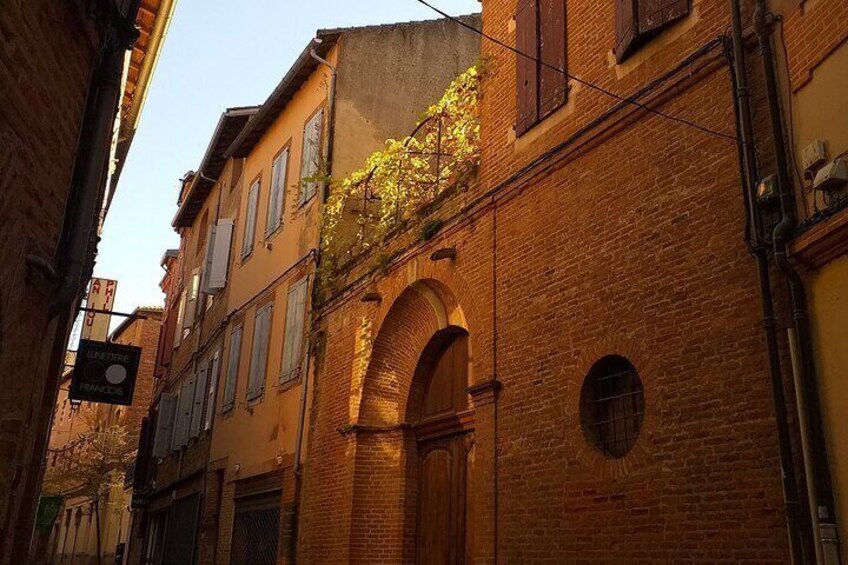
pixel 285 386
pixel 525 140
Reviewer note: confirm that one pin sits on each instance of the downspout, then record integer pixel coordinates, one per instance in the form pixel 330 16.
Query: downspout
pixel 759 250
pixel 809 409
pixel 92 158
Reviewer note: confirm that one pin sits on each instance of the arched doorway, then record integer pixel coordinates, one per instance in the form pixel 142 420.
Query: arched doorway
pixel 442 427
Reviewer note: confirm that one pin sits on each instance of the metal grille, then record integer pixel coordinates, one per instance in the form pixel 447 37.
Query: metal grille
pixel 256 531
pixel 612 406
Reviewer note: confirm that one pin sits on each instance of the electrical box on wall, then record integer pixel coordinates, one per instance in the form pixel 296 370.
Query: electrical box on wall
pixel 832 176
pixel 814 155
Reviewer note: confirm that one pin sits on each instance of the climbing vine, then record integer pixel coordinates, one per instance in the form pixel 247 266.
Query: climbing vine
pixel 397 181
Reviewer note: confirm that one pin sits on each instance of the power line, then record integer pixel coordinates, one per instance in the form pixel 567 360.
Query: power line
pixel 586 83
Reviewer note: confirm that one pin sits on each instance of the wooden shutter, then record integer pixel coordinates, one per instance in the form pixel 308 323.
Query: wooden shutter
pixel 527 69
pixel 625 28
pixel 293 345
pixel 164 424
pixel 214 370
pixel 181 423
pixel 219 258
pixel 655 14
pixel 259 352
pixel 232 368
pixel 250 220
pixel 311 157
pixel 197 406
pixel 552 51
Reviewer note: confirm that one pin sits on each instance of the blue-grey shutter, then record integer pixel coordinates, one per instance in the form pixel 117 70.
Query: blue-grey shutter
pixel 197 404
pixel 311 156
pixel 232 369
pixel 214 370
pixel 294 338
pixel 164 424
pixel 277 195
pixel 250 220
pixel 259 352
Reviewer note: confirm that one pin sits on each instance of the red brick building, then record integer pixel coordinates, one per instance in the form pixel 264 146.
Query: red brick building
pixel 67 70
pixel 570 366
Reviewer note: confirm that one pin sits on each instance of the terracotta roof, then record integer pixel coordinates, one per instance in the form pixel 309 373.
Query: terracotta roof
pixel 231 122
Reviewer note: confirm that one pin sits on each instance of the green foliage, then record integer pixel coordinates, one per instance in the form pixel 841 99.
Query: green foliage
pixel 399 179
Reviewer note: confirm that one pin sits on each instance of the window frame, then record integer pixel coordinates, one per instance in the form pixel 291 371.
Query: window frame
pixel 250 216
pixel 233 362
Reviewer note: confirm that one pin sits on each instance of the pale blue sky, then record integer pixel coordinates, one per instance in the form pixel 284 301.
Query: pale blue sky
pixel 217 54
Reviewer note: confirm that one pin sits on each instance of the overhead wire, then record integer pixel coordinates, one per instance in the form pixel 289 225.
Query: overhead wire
pixel 586 83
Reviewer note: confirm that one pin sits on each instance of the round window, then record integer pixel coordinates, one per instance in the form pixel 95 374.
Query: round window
pixel 612 406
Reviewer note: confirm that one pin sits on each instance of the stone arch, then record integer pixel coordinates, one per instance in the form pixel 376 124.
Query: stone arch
pixel 424 309
pixel 422 319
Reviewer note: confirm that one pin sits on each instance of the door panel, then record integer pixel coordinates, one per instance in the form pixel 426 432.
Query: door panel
pixel 441 507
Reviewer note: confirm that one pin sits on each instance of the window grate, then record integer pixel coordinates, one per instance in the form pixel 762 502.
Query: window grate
pixel 256 531
pixel 612 406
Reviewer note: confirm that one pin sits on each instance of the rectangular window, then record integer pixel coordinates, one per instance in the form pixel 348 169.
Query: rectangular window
pixel 191 309
pixel 200 393
pixel 310 162
pixel 277 195
pixel 540 69
pixel 637 21
pixel 259 352
pixel 232 369
pixel 164 424
pixel 294 338
pixel 178 334
pixel 250 220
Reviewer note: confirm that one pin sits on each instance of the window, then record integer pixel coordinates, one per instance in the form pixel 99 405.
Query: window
pixel 232 369
pixel 636 21
pixel 259 352
pixel 178 335
pixel 250 220
pixel 164 424
pixel 217 256
pixel 213 370
pixel 540 75
pixel 191 308
pixel 201 234
pixel 293 345
pixel 612 406
pixel 198 400
pixel 277 194
pixel 311 157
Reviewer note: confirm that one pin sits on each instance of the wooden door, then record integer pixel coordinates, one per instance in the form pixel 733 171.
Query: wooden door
pixel 442 459
pixel 441 502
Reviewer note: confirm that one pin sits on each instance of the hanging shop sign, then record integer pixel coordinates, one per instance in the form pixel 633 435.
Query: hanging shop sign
pixel 105 372
pixel 101 296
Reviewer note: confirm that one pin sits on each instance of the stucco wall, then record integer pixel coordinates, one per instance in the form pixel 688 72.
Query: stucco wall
pixel 388 76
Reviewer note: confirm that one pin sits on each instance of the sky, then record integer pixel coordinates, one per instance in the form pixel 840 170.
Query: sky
pixel 217 54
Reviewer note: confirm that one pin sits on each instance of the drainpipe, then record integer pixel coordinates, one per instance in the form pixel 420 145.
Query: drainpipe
pixel 760 253
pixel 93 158
pixel 809 408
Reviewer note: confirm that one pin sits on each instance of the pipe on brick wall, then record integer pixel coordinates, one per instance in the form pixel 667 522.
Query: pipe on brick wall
pixel 759 250
pixel 812 437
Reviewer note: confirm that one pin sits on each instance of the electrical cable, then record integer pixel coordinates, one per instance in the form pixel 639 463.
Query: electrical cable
pixel 586 83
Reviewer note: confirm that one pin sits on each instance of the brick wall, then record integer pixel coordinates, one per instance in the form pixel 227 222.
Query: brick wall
pixel 811 34
pixel 629 241
pixel 46 56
